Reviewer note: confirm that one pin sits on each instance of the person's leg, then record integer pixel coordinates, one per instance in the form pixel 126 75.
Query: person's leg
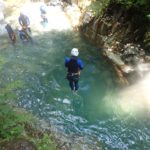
pixel 29 29
pixel 10 36
pixel 76 85
pixel 45 20
pixel 13 38
pixel 21 36
pixel 71 84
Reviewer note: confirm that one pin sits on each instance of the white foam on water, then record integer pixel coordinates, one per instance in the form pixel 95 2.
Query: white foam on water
pixel 66 101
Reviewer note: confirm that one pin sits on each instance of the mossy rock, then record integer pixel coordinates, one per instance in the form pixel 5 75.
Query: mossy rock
pixel 18 144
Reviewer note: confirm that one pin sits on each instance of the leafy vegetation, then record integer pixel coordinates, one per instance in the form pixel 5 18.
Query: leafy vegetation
pixel 97 6
pixel 142 5
pixel 11 122
pixel 13 125
pixel 44 143
pixel 2 62
pixel 7 92
pixel 138 3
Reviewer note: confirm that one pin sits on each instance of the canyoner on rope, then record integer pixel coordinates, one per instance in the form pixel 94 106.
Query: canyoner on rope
pixel 74 66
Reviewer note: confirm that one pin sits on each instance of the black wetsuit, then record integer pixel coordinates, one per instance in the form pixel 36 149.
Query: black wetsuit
pixel 74 66
pixel 9 30
pixel 10 33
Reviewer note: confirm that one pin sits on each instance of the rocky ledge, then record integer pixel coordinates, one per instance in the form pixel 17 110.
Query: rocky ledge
pixel 122 36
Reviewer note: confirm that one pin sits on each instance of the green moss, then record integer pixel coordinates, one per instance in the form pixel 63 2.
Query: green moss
pixel 131 3
pixel 142 5
pixel 2 62
pixel 98 6
pixel 14 121
pixel 11 122
pixel 7 92
pixel 44 143
pixel 13 125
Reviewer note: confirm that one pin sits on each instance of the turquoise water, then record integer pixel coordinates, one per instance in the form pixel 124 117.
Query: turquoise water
pixel 93 112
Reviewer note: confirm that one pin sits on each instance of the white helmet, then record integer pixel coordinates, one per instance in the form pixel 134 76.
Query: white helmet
pixel 74 52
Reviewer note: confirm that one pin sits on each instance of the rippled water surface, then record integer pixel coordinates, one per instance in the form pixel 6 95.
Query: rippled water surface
pixel 95 112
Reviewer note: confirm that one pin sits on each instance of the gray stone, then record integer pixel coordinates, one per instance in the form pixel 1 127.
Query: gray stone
pixel 115 58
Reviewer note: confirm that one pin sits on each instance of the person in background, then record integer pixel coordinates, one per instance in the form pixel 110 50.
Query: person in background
pixel 24 22
pixel 11 33
pixel 24 36
pixel 43 13
pixel 74 65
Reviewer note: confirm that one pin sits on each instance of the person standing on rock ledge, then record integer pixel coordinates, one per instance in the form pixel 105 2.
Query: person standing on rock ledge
pixel 24 21
pixel 74 66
